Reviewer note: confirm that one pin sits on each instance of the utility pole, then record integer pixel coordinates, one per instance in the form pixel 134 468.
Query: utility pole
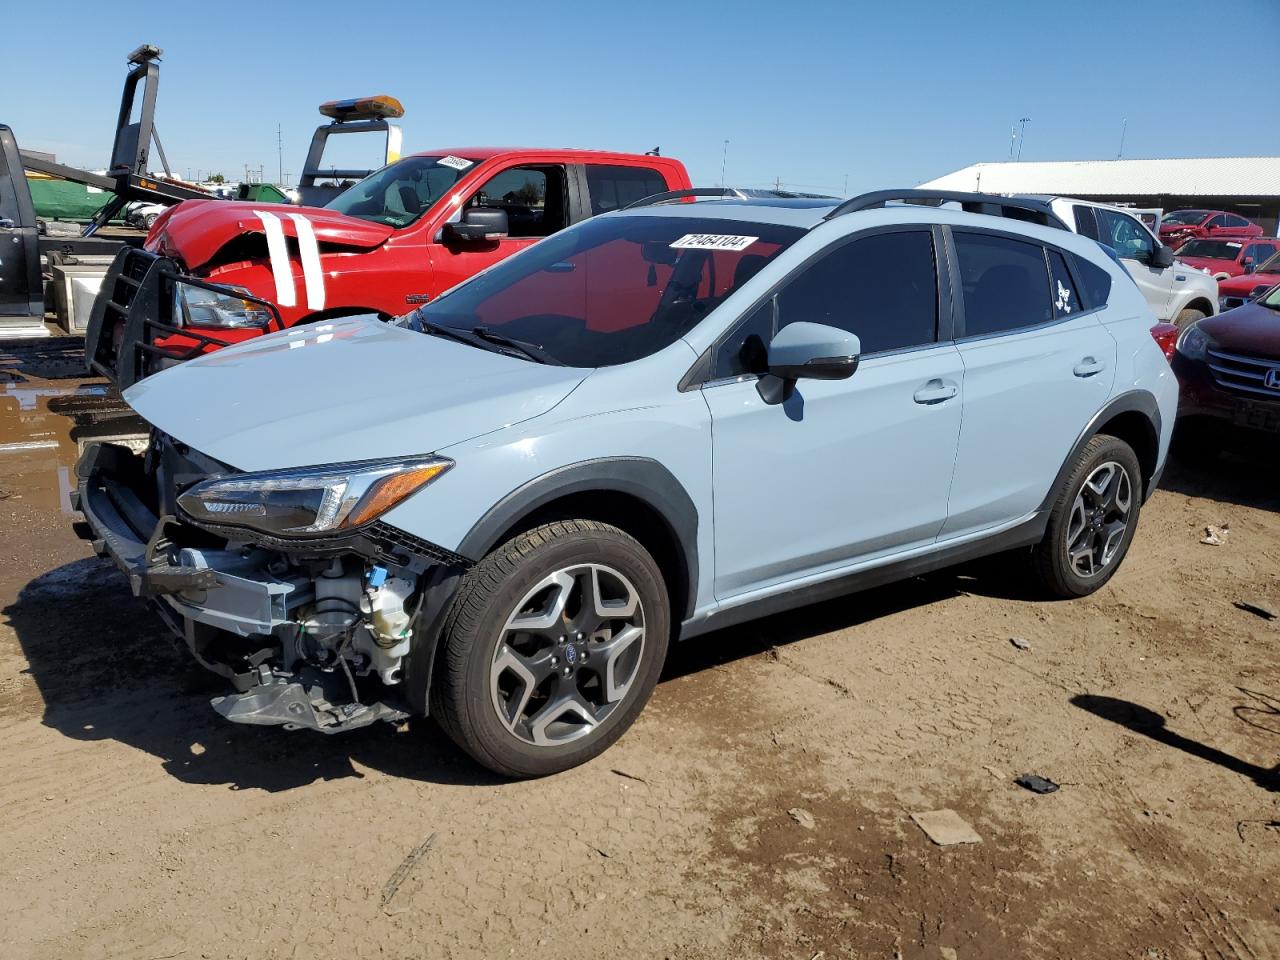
pixel 1124 127
pixel 1013 137
pixel 724 158
pixel 279 154
pixel 777 184
pixel 1022 135
pixel 845 191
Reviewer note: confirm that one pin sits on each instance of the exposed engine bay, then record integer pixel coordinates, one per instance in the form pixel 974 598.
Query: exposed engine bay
pixel 311 632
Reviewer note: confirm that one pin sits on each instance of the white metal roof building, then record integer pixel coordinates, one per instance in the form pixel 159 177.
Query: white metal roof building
pixel 1249 186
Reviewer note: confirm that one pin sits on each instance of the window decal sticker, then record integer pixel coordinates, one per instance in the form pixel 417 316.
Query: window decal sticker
pixel 713 241
pixel 1063 303
pixel 455 163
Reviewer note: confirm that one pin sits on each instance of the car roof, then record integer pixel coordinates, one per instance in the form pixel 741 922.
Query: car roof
pixel 805 212
pixel 488 153
pixel 810 212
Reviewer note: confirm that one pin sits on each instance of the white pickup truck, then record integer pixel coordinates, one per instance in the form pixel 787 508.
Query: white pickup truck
pixel 1176 293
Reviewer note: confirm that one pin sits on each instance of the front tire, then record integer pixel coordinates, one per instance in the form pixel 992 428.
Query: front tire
pixel 1092 521
pixel 551 648
pixel 1187 317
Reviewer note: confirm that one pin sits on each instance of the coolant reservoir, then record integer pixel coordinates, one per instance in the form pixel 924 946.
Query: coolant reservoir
pixel 386 608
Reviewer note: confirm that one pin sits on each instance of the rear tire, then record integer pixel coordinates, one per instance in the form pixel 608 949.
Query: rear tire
pixel 1187 317
pixel 551 648
pixel 1092 521
pixel 149 221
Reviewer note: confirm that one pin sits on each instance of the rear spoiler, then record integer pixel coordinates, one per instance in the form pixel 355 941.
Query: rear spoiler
pixel 134 310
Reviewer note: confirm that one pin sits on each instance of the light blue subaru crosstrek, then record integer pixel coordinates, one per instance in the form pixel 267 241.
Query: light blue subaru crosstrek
pixel 502 508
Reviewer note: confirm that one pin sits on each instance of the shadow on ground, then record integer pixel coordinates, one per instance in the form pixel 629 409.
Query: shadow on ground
pixel 1148 723
pixel 105 668
pixel 1243 473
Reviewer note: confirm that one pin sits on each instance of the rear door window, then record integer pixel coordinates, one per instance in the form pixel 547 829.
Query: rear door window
pixel 1004 283
pixel 1086 222
pixel 613 187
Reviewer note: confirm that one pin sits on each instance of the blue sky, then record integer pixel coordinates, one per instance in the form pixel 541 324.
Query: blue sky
pixel 885 94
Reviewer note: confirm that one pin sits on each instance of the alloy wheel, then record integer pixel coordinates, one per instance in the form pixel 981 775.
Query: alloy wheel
pixel 568 654
pixel 1099 519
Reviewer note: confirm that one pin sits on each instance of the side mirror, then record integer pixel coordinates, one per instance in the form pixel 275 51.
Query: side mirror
pixel 478 225
pixel 1248 264
pixel 814 351
pixel 1161 257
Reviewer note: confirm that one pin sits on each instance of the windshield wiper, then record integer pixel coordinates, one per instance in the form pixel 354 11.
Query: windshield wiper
pixel 534 351
pixel 486 339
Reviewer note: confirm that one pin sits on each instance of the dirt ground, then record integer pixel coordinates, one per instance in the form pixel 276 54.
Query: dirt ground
pixel 139 824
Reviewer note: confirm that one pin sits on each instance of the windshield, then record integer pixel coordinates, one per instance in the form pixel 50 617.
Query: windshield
pixel 1184 217
pixel 1214 249
pixel 401 192
pixel 612 289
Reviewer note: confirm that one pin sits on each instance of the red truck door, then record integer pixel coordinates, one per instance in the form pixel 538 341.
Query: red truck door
pixel 539 199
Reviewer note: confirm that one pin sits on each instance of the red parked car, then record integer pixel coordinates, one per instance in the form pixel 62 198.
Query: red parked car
pixel 1182 225
pixel 214 273
pixel 1239 290
pixel 1227 258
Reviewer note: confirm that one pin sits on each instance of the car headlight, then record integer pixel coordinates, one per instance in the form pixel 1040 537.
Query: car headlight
pixel 312 500
pixel 202 307
pixel 1193 343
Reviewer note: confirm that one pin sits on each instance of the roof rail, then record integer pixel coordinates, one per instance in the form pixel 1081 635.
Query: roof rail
pixel 1015 208
pixel 731 193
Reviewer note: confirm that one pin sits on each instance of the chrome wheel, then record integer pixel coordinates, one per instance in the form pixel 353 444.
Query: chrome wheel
pixel 568 654
pixel 1099 519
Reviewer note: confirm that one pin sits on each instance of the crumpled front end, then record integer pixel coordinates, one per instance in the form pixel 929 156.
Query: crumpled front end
pixel 315 633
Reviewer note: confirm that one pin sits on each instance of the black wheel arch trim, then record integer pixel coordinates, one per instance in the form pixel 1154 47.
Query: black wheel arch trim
pixel 645 479
pixel 641 477
pixel 1132 401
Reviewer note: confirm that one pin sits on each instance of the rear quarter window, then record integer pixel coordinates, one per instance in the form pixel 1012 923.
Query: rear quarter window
pixel 613 187
pixel 1095 283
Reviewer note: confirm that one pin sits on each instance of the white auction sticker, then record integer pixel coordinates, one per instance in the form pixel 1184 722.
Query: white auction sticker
pixel 457 163
pixel 712 241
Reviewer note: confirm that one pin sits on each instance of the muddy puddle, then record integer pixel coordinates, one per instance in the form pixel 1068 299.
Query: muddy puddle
pixel 49 410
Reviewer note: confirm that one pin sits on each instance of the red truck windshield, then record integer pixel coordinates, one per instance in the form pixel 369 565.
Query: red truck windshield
pixel 612 289
pixel 401 192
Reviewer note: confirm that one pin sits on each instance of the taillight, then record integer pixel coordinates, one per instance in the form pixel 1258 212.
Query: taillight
pixel 1166 335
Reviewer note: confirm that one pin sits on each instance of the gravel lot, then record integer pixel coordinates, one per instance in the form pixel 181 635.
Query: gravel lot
pixel 761 807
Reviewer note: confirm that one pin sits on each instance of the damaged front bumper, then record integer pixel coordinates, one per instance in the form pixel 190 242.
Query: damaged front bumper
pixel 326 634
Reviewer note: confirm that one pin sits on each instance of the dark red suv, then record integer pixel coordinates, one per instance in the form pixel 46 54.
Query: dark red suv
pixel 1228 367
pixel 1183 225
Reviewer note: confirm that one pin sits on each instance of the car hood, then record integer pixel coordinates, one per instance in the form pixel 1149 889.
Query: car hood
pixel 1251 330
pixel 351 389
pixel 1246 283
pixel 195 230
pixel 1213 263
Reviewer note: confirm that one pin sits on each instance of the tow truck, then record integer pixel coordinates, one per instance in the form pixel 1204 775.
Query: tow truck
pixel 213 274
pixel 76 264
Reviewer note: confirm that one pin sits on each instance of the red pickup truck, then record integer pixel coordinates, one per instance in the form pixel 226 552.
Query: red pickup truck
pixel 394 240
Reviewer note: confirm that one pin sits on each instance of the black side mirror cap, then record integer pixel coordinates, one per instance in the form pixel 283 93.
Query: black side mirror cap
pixel 1162 257
pixel 478 225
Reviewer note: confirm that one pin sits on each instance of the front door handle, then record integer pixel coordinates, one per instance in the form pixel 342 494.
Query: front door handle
pixel 1088 367
pixel 936 391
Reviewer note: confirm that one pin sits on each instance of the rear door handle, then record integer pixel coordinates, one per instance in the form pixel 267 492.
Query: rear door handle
pixel 936 391
pixel 1088 367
